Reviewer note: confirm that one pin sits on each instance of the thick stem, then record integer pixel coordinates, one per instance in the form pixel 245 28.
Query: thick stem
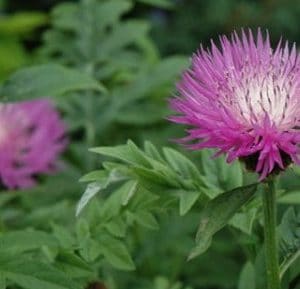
pixel 271 246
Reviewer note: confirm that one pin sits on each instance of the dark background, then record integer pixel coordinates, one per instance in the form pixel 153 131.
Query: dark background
pixel 179 30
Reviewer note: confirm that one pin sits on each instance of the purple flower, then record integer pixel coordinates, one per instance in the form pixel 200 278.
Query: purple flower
pixel 244 100
pixel 31 138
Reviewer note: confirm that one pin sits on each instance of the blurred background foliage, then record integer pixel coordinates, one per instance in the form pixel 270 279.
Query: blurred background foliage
pixel 135 51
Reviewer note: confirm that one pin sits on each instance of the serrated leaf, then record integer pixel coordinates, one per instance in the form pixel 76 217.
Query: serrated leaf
pixel 46 80
pixel 187 200
pixel 217 213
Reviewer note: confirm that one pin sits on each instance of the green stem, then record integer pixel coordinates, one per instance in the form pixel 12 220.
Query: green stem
pixel 271 246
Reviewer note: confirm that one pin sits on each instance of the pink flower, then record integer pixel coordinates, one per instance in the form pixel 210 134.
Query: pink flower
pixel 244 100
pixel 31 138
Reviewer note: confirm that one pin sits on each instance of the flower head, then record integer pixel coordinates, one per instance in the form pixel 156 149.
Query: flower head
pixel 244 100
pixel 31 138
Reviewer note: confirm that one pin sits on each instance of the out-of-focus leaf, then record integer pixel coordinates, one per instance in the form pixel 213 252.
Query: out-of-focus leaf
pixel 158 3
pixel 141 114
pixel 247 277
pixel 64 237
pixel 292 198
pixel 46 80
pixel 145 219
pixel 31 274
pixel 21 23
pixel 121 36
pixel 116 227
pixel 22 241
pixel 73 265
pixel 116 254
pixel 2 281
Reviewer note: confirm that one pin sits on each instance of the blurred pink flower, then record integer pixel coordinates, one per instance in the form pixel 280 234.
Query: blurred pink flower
pixel 244 100
pixel 32 135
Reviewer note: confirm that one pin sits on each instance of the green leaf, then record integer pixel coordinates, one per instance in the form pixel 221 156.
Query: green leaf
pixel 66 15
pixel 46 80
pixel 94 176
pixel 181 164
pixel 292 198
pixel 130 189
pixel 129 153
pixel 2 281
pixel 217 213
pixel 152 152
pixel 31 274
pixel 141 114
pixel 219 173
pixel 145 83
pixel 158 3
pixel 91 190
pixel 73 266
pixel 187 200
pixel 121 36
pixel 22 241
pixel 289 239
pixel 244 221
pixel 65 238
pixel 116 253
pixel 21 23
pixel 95 187
pixel 117 227
pixel 247 277
pixel 144 219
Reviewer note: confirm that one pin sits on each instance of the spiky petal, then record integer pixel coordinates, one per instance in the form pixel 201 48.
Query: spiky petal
pixel 244 100
pixel 31 138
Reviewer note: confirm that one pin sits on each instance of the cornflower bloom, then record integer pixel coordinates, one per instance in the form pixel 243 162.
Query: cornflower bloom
pixel 243 99
pixel 31 138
